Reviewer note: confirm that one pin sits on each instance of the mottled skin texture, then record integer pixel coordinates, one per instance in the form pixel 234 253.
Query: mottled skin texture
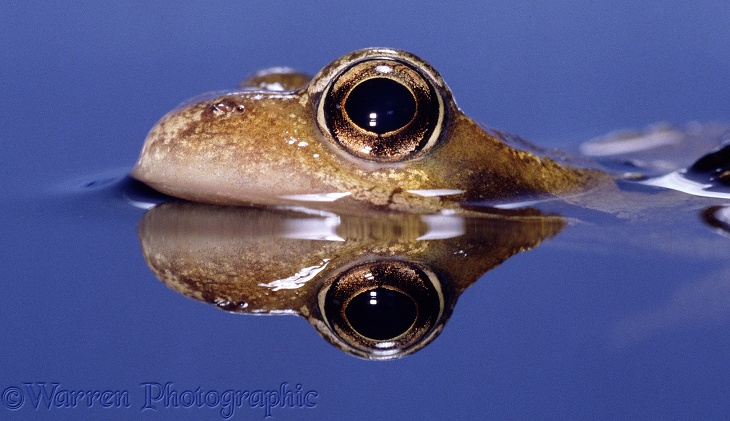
pixel 253 147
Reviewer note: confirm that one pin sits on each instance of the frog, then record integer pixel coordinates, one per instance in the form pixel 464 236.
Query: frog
pixel 377 129
pixel 291 173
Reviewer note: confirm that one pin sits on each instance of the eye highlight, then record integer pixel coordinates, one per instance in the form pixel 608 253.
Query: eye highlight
pixel 381 109
pixel 380 105
pixel 381 313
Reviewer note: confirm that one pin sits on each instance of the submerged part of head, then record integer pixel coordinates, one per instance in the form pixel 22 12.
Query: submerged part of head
pixel 376 128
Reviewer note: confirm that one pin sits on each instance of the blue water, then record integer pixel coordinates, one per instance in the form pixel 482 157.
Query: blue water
pixel 620 320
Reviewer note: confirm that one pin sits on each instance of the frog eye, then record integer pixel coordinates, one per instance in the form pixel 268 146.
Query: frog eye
pixel 382 109
pixel 383 308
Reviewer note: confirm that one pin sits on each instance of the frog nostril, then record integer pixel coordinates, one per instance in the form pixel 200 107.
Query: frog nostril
pixel 380 105
pixel 226 106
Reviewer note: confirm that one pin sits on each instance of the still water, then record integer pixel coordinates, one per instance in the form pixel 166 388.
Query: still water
pixel 565 304
pixel 608 309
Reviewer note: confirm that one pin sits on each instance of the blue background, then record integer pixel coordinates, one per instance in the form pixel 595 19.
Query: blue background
pixel 83 82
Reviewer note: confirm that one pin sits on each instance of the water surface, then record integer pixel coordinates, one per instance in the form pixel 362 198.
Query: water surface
pixel 610 318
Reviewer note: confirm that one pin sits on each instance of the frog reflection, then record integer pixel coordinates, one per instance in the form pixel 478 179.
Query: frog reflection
pixel 377 287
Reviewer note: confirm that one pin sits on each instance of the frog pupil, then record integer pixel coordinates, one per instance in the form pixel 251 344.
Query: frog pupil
pixel 380 105
pixel 381 313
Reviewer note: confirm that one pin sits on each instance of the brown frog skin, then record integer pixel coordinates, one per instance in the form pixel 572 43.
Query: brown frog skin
pixel 281 140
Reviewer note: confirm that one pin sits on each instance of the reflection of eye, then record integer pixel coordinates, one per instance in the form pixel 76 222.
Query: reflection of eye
pixel 380 313
pixel 383 110
pixel 382 307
